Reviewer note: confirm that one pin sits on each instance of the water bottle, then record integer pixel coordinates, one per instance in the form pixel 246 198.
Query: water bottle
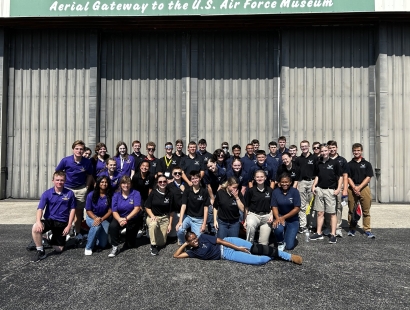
pixel 307 235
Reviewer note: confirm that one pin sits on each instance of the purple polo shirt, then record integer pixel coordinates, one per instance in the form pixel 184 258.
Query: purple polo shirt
pixel 115 180
pixel 100 208
pixel 76 173
pixel 127 165
pixel 124 206
pixel 57 206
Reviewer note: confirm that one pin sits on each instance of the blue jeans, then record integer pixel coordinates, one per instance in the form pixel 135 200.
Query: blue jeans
pixel 242 257
pixel 228 229
pixel 194 222
pixel 287 233
pixel 99 233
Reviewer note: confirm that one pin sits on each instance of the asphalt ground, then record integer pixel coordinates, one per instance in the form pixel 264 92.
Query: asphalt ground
pixel 355 273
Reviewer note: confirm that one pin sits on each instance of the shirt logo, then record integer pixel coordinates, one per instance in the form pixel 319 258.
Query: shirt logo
pixel 267 195
pixel 362 166
pixel 219 178
pixel 240 178
pixel 310 162
pixel 147 182
pixel 234 203
pixel 154 164
pixel 329 167
pixel 204 246
pixel 128 161
pixel 82 169
pixel 254 161
pixel 196 162
pixel 65 197
pixel 131 201
pixel 200 198
pixel 293 174
pixel 291 199
pixel 205 158
pixel 174 162
pixel 266 172
pixel 166 200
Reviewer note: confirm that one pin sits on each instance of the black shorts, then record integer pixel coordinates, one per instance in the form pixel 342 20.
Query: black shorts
pixel 57 229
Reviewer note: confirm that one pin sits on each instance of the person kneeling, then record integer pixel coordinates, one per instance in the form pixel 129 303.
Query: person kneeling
pixel 208 247
pixel 59 205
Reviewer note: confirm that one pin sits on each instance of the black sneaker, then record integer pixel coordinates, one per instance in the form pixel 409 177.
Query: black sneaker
pixel 114 251
pixel 302 230
pixel 39 255
pixel 332 239
pixel 154 250
pixel 316 236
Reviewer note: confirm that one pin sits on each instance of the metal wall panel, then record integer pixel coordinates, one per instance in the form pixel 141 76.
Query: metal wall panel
pixel 394 113
pixel 142 89
pixel 234 87
pixel 328 87
pixel 48 105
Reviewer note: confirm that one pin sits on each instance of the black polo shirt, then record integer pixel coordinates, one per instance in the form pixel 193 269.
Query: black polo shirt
pixel 227 206
pixel 137 160
pixel 179 158
pixel 329 173
pixel 257 201
pixel 214 180
pixel 165 165
pixel 195 202
pixel 204 156
pixel 294 172
pixel 306 166
pixel 189 164
pixel 343 163
pixel 159 203
pixel 176 193
pixel 358 171
pixel 142 185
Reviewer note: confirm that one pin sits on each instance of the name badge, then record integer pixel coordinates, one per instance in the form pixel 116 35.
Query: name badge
pixel 167 174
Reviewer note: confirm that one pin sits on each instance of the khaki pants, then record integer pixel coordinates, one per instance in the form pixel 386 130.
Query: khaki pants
pixel 80 194
pixel 158 230
pixel 305 191
pixel 253 221
pixel 365 199
pixel 339 211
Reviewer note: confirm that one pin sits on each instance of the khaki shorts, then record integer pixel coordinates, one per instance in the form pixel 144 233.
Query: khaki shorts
pixel 325 200
pixel 80 194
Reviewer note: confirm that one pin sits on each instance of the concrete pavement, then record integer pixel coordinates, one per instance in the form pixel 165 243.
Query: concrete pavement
pixel 19 211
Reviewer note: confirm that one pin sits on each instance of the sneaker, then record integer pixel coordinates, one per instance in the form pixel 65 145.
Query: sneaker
pixel 39 255
pixel 140 234
pixel 281 246
pixel 369 235
pixel 302 230
pixel 297 259
pixel 339 233
pixel 114 251
pixel 326 232
pixel 332 239
pixel 316 236
pixel 124 231
pixel 67 237
pixel 154 250
pixel 88 252
pixel 351 233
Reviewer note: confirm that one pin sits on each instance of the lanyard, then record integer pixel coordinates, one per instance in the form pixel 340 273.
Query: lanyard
pixel 122 162
pixel 168 163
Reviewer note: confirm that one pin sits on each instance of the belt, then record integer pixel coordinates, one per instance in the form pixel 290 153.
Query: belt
pixel 260 213
pixel 307 179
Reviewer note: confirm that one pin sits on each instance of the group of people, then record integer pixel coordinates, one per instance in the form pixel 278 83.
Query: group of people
pixel 202 199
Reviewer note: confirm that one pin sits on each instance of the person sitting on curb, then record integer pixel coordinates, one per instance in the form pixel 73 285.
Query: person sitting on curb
pixel 58 204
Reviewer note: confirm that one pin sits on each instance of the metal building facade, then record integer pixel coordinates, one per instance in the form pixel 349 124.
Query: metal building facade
pixel 347 83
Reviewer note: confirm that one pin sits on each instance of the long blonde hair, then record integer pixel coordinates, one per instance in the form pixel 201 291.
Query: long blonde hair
pixel 229 182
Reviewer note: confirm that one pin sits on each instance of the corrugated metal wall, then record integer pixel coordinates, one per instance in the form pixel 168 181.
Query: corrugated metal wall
pixel 47 106
pixel 394 112
pixel 142 89
pixel 328 87
pixel 234 87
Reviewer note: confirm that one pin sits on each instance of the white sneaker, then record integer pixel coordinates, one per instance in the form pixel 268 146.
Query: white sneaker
pixel 88 252
pixel 123 232
pixel 281 246
pixel 115 250
pixel 339 233
pixel 67 237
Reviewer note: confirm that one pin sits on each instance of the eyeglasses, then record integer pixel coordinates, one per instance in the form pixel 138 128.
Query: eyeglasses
pixel 151 149
pixel 316 148
pixel 177 173
pixel 225 147
pixel 162 182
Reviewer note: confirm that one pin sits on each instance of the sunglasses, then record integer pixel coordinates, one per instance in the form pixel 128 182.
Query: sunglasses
pixel 177 173
pixel 316 148
pixel 162 182
pixel 151 149
pixel 169 147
